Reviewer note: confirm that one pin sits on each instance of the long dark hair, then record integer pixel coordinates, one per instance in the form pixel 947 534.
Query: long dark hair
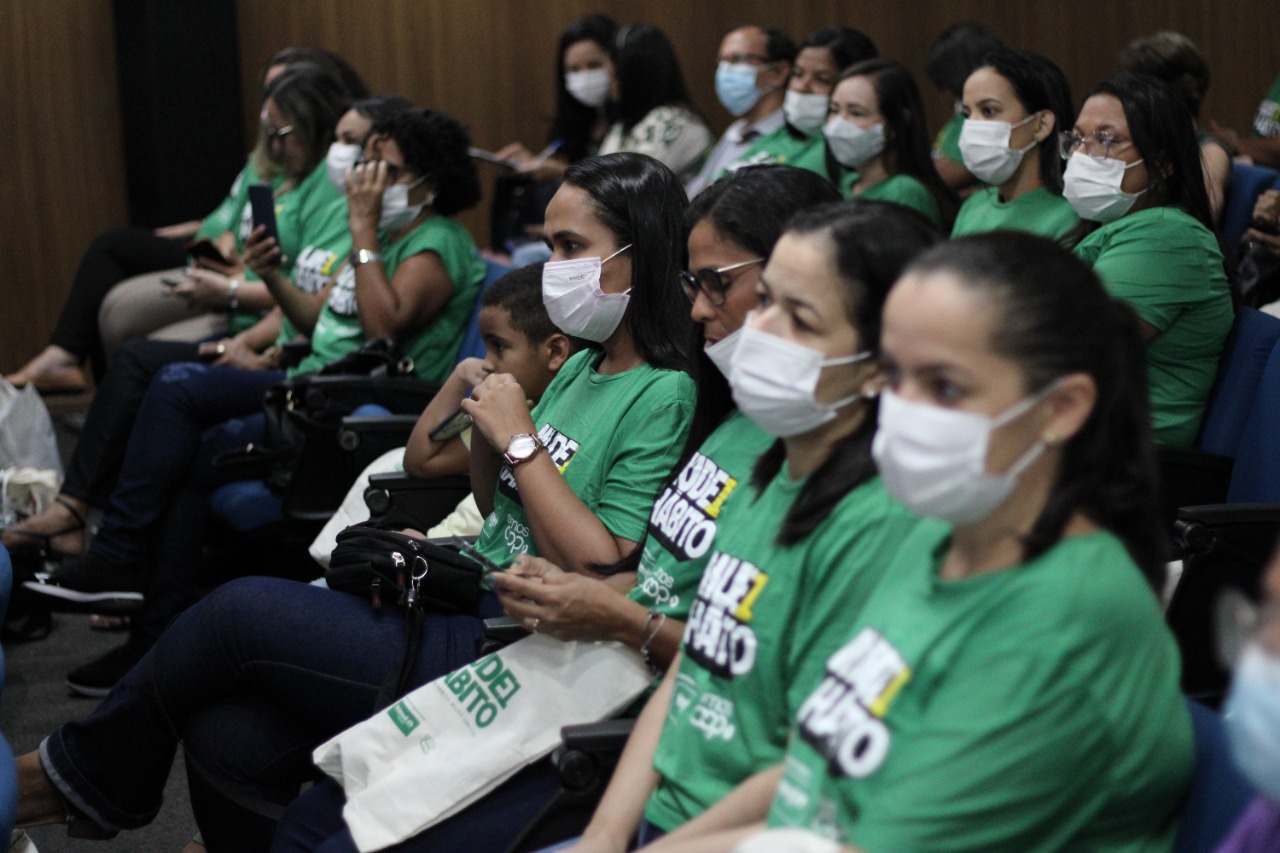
pixel 906 143
pixel 648 73
pixel 747 207
pixel 1054 318
pixel 958 51
pixel 574 120
pixel 642 203
pixel 312 100
pixel 1173 58
pixel 1039 85
pixel 874 241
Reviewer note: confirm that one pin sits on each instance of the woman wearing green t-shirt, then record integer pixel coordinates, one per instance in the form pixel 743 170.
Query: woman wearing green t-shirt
pixel 731 226
pixel 794 557
pixel 876 129
pixel 1134 176
pixel 822 56
pixel 1014 105
pixel 1011 683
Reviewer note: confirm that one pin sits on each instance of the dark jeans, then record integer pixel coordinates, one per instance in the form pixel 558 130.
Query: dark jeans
pixel 95 465
pixel 113 256
pixel 251 679
pixel 156 516
pixel 313 823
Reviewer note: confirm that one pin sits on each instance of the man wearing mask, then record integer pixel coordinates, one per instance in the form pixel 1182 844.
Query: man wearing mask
pixel 751 80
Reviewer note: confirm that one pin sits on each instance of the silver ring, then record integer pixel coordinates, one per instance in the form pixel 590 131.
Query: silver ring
pixel 533 626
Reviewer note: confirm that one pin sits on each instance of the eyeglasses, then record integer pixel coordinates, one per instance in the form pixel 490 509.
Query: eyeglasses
pixel 274 133
pixel 1096 145
pixel 711 281
pixel 746 59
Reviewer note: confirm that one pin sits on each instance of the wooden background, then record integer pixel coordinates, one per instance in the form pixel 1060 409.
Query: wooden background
pixel 490 63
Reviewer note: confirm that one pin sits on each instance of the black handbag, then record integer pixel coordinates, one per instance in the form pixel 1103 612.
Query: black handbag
pixel 415 575
pixel 1258 273
pixel 303 416
pixel 394 569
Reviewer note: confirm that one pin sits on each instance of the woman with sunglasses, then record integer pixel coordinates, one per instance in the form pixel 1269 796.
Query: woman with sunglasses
pixel 1013 107
pixel 1134 177
pixel 1011 683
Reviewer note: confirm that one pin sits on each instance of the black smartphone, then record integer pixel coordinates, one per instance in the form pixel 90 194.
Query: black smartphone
pixel 206 250
pixel 262 202
pixel 451 426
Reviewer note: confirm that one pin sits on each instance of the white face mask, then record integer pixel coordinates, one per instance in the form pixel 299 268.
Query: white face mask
pixel 1092 186
pixel 984 147
pixel 774 382
pixel 576 304
pixel 934 460
pixel 341 158
pixel 396 210
pixel 590 88
pixel 721 352
pixel 852 145
pixel 806 113
pixel 1253 719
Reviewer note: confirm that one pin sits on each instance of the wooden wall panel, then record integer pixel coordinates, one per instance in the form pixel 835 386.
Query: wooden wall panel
pixel 490 63
pixel 63 165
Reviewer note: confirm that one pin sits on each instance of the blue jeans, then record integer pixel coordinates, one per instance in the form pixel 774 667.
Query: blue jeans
pixel 156 515
pixel 251 679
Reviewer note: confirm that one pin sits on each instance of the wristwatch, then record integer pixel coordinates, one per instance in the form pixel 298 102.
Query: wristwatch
pixel 364 256
pixel 521 448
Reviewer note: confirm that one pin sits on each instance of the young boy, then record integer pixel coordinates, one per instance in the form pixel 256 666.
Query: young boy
pixel 519 339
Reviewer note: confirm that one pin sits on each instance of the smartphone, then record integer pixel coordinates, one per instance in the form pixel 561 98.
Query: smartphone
pixel 262 202
pixel 206 250
pixel 451 426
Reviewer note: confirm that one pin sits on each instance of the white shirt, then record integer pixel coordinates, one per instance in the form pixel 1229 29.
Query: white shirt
pixel 732 145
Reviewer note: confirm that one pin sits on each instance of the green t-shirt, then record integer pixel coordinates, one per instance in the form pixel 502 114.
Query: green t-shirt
pixel 765 619
pixel 947 142
pixel 1266 122
pixel 434 347
pixel 294 207
pixel 1168 268
pixel 326 244
pixel 613 438
pixel 226 217
pixel 906 191
pixel 1039 212
pixel 1031 709
pixel 683 523
pixel 784 147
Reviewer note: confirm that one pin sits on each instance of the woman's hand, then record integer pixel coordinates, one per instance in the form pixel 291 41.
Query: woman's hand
pixel 549 600
pixel 262 253
pixel 500 409
pixel 204 287
pixel 233 352
pixel 365 184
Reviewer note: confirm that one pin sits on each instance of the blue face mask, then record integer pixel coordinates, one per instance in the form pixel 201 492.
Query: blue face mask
pixel 736 87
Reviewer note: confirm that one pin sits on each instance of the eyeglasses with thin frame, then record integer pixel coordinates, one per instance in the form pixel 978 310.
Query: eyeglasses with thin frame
pixel 711 281
pixel 1097 145
pixel 274 133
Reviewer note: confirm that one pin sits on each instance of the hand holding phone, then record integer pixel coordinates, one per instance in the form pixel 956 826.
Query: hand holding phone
pixel 205 250
pixel 262 202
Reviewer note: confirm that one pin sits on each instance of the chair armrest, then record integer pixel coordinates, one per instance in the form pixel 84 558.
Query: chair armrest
pixel 606 735
pixel 498 633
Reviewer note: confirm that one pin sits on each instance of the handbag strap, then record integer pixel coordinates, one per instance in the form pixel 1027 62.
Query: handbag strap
pixel 396 683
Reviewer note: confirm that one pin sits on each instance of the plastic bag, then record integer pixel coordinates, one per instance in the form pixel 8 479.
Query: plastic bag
pixel 27 439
